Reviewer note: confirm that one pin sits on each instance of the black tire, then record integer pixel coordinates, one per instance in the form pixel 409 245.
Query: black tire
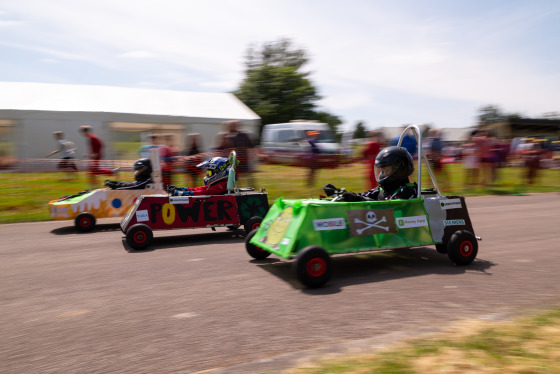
pixel 85 222
pixel 139 236
pixel 254 251
pixel 441 248
pixel 313 266
pixel 462 248
pixel 252 224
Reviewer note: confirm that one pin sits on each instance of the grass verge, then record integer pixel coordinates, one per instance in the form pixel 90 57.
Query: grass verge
pixel 526 345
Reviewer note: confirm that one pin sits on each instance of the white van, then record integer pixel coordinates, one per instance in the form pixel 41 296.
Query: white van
pixel 285 142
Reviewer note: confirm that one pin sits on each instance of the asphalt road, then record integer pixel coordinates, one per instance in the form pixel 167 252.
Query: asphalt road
pixel 82 303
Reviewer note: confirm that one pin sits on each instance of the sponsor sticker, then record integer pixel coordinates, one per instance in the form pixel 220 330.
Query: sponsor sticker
pixel 142 215
pixel 329 224
pixel 450 204
pixel 179 199
pixel 454 222
pixel 414 221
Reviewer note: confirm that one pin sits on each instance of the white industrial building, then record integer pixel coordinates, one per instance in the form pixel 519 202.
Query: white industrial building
pixel 31 112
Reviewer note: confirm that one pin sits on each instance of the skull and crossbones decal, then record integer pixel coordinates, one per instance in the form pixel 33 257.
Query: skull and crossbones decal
pixel 372 221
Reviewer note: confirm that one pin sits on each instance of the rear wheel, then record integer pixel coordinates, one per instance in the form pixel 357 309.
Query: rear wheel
pixel 462 248
pixel 252 224
pixel 313 266
pixel 85 222
pixel 254 251
pixel 139 236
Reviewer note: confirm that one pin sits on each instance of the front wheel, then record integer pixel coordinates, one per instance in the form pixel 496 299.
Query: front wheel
pixel 85 222
pixel 313 266
pixel 252 224
pixel 139 236
pixel 462 248
pixel 254 251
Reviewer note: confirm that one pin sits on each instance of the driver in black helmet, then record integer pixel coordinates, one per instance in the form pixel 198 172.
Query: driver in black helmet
pixel 393 166
pixel 142 176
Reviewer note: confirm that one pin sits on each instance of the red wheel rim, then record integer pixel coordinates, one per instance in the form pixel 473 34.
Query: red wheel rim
pixel 85 222
pixel 140 237
pixel 256 225
pixel 316 267
pixel 466 248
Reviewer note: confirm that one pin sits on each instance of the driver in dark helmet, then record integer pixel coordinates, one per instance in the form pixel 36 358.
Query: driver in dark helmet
pixel 142 176
pixel 393 166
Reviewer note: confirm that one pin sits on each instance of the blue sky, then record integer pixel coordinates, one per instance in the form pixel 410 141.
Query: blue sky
pixel 383 62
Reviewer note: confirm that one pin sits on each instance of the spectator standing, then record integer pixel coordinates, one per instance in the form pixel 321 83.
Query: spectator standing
pixel 532 153
pixel 193 159
pixel 144 151
pixel 409 142
pixel 243 146
pixel 167 160
pixel 312 161
pixel 67 149
pixel 222 143
pixel 484 152
pixel 435 155
pixel 471 163
pixel 372 149
pixel 96 154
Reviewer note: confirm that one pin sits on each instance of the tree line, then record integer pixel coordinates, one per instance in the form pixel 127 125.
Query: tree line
pixel 278 89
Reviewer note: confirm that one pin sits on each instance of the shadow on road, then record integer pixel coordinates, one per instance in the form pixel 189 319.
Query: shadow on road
pixel 376 266
pixel 100 227
pixel 190 240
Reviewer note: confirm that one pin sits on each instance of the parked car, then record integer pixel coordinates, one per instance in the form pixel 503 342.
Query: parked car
pixel 285 143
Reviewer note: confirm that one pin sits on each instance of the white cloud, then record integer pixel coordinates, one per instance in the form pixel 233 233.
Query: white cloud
pixel 137 55
pixel 436 50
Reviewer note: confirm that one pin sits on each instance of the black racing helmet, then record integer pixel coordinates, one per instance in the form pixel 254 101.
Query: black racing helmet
pixel 393 164
pixel 142 169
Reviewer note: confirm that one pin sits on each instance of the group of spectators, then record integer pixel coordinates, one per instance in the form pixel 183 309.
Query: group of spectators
pixel 481 155
pixel 173 160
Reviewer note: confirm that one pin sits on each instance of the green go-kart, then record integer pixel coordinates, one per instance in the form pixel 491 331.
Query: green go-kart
pixel 311 230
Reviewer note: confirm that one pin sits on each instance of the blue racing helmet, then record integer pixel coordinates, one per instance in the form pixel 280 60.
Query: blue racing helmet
pixel 217 168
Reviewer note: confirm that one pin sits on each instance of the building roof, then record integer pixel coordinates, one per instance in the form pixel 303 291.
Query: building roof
pixel 78 98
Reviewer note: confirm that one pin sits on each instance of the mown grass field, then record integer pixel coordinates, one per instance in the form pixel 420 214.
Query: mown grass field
pixel 24 196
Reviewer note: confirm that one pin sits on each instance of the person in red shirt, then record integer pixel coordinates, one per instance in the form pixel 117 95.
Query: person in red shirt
pixel 215 181
pixel 373 147
pixel 96 149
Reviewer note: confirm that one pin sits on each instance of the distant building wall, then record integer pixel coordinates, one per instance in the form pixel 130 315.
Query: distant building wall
pixel 30 132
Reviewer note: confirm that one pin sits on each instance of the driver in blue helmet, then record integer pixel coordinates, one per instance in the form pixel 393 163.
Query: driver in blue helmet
pixel 393 166
pixel 215 181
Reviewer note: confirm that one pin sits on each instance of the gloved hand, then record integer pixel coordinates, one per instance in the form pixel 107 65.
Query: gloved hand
pixel 111 184
pixel 352 197
pixel 330 189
